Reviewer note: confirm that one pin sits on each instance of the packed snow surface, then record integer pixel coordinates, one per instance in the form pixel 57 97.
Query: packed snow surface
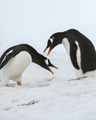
pixel 44 96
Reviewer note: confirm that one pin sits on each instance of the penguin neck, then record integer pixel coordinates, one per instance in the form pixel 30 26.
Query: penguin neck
pixel 36 57
pixel 33 53
pixel 59 39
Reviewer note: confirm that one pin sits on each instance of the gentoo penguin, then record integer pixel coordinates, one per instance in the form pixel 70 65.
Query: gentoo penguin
pixel 80 50
pixel 16 59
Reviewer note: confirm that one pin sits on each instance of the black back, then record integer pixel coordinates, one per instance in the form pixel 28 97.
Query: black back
pixel 13 51
pixel 88 53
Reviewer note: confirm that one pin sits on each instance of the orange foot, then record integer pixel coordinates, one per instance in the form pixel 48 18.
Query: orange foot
pixel 77 78
pixel 7 85
pixel 19 83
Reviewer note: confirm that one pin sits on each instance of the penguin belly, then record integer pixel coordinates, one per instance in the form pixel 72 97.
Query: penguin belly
pixel 15 67
pixel 65 42
pixel 79 73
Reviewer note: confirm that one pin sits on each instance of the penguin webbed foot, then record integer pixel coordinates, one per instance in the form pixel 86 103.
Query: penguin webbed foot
pixel 9 85
pixel 77 78
pixel 19 83
pixel 12 85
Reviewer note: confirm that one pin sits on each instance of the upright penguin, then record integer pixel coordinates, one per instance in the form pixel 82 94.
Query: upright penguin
pixel 80 49
pixel 16 59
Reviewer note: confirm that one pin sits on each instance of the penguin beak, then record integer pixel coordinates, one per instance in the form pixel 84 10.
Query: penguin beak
pixel 50 65
pixel 50 70
pixel 50 48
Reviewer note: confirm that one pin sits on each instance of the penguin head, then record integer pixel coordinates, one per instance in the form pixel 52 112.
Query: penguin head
pixel 53 41
pixel 44 62
pixel 48 64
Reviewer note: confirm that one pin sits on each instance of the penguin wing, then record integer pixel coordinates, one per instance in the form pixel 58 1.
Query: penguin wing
pixel 73 51
pixel 7 56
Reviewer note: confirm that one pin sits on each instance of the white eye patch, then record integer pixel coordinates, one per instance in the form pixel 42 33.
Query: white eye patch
pixel 51 39
pixel 46 61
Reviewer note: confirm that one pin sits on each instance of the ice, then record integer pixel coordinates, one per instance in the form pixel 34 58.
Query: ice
pixel 44 96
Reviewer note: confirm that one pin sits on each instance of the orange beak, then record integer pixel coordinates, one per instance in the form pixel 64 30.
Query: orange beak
pixel 49 50
pixel 55 67
pixel 45 49
pixel 50 47
pixel 50 70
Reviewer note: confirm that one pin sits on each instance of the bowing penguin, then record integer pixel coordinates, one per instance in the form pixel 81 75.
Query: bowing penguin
pixel 16 59
pixel 80 50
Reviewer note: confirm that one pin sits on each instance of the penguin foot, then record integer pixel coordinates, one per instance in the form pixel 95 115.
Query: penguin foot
pixel 74 79
pixel 7 85
pixel 19 83
pixel 77 78
pixel 10 85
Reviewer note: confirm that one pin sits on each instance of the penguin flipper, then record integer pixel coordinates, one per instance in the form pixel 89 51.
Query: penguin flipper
pixel 6 57
pixel 73 51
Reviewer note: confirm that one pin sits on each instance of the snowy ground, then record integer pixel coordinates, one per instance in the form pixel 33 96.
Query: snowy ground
pixel 44 96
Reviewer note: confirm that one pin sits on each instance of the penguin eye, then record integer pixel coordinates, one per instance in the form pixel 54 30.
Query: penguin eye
pixel 46 61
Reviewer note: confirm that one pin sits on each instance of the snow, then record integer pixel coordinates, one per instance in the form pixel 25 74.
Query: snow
pixel 44 96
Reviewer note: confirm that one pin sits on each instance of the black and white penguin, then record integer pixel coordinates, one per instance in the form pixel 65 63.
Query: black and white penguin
pixel 80 49
pixel 16 59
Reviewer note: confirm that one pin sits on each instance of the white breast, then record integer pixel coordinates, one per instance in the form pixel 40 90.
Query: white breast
pixel 78 54
pixel 66 45
pixel 16 66
pixel 79 73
